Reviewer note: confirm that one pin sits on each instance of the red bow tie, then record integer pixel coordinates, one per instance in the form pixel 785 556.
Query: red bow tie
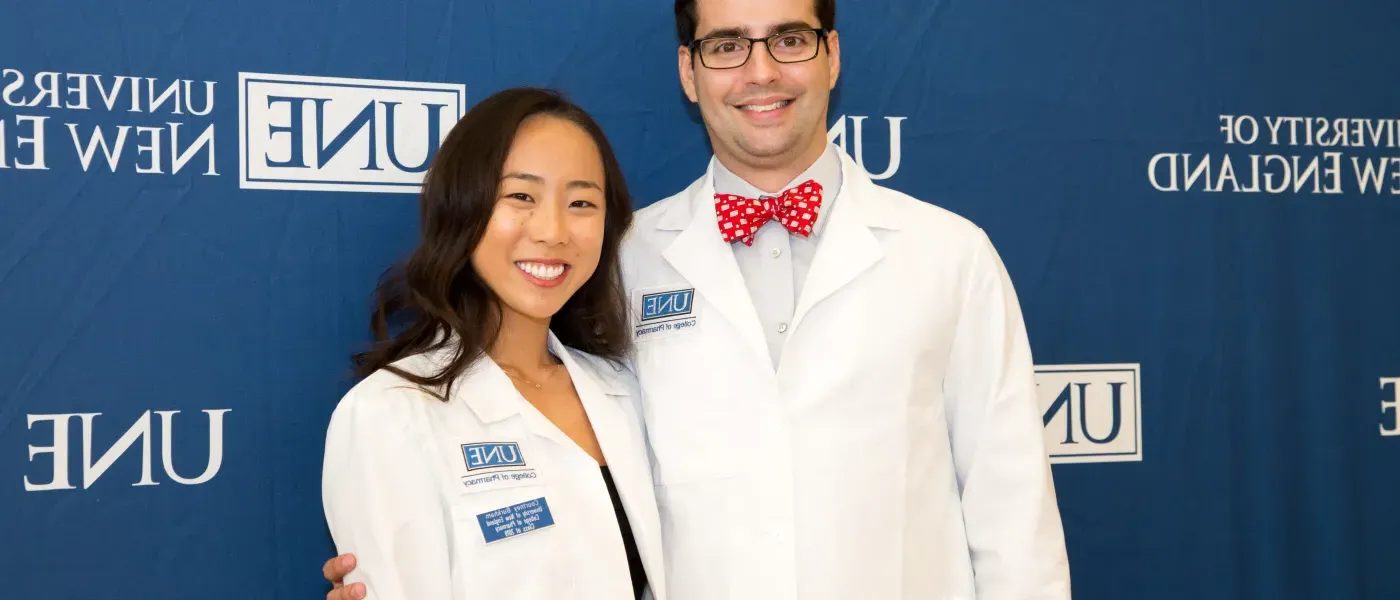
pixel 740 217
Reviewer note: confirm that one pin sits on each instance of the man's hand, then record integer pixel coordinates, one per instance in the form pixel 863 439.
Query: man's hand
pixel 335 571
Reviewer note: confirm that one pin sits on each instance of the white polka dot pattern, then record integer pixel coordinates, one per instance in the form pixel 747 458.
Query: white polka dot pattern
pixel 796 209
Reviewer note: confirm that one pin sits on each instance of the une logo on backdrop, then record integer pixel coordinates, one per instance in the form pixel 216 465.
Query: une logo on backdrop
pixel 1091 413
pixel 839 134
pixel 306 133
pixel 61 445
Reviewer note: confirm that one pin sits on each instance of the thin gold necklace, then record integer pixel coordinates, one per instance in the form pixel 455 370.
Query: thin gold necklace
pixel 513 376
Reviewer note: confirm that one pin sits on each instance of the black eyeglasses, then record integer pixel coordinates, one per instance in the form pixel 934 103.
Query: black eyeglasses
pixel 730 52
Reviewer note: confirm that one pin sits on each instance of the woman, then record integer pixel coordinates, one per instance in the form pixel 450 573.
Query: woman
pixel 495 447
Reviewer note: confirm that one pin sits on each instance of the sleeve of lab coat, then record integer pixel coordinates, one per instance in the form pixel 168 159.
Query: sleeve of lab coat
pixel 1012 520
pixel 381 502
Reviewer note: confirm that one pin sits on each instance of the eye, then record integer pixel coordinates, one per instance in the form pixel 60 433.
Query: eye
pixel 521 196
pixel 582 204
pixel 792 41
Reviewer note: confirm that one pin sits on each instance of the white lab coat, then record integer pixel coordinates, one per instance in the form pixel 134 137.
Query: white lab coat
pixel 398 493
pixel 895 452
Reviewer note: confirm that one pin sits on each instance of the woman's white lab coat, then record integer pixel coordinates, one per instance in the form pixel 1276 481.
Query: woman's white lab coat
pixel 482 496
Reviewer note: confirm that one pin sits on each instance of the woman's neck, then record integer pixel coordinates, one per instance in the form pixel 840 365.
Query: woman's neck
pixel 521 343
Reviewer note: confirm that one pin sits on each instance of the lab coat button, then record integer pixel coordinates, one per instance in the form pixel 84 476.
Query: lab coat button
pixel 782 327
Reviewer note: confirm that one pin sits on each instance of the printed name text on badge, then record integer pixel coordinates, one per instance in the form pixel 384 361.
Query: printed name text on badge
pixel 515 520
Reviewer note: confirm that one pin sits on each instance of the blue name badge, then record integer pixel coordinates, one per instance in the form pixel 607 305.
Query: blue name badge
pixel 514 520
pixel 492 455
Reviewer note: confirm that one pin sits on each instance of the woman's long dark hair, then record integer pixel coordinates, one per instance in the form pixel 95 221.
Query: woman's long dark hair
pixel 436 299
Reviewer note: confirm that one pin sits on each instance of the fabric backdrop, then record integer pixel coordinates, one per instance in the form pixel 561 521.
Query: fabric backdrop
pixel 1199 204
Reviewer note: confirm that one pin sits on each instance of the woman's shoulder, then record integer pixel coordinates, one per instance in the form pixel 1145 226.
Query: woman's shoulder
pixel 385 398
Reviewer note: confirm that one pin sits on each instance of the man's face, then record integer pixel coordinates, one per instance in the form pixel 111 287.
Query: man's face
pixel 765 113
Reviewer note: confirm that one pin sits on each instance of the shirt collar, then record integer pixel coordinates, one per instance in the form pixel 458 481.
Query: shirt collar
pixel 826 171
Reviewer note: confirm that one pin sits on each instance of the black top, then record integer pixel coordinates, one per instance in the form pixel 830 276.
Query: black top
pixel 634 558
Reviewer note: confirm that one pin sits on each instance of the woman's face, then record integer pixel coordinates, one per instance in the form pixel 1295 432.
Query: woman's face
pixel 545 236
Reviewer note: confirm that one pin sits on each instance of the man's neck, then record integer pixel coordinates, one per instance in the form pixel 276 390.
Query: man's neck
pixel 772 178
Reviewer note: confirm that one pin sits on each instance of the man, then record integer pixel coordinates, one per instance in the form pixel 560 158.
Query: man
pixel 839 392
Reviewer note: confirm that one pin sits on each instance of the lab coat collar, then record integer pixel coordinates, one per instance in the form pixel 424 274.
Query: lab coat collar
pixel 847 248
pixel 488 391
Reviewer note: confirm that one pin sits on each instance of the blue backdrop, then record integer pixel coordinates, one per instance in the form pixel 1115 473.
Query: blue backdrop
pixel 1198 202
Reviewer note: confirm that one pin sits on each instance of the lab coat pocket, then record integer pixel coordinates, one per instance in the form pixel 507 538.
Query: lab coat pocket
pixel 508 544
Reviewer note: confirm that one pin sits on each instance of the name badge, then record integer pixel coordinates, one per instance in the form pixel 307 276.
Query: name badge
pixel 515 520
pixel 664 312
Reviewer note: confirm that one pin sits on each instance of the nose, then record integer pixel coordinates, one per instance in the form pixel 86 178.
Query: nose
pixel 762 67
pixel 546 225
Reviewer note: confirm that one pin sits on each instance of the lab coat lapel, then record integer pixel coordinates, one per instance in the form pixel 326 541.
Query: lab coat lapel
pixel 602 399
pixel 604 413
pixel 707 262
pixel 492 397
pixel 483 387
pixel 848 246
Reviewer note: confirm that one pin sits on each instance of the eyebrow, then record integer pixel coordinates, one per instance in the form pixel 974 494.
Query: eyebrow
pixel 744 31
pixel 577 183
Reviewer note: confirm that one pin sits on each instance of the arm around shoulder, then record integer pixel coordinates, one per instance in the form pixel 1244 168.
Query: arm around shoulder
pixel 381 502
pixel 1014 532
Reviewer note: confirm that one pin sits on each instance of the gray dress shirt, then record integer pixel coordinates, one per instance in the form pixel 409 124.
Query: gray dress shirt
pixel 776 265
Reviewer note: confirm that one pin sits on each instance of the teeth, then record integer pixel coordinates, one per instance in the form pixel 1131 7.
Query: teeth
pixel 545 272
pixel 766 107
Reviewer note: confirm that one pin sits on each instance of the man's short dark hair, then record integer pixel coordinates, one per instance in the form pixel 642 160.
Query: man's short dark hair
pixel 687 19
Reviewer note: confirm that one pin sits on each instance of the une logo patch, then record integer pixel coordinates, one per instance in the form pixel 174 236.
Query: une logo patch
pixel 492 455
pixel 662 305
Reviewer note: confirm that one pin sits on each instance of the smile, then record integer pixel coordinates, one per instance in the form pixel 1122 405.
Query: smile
pixel 765 107
pixel 542 271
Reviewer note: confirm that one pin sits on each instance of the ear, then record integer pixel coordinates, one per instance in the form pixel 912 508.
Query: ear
pixel 685 63
pixel 833 56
